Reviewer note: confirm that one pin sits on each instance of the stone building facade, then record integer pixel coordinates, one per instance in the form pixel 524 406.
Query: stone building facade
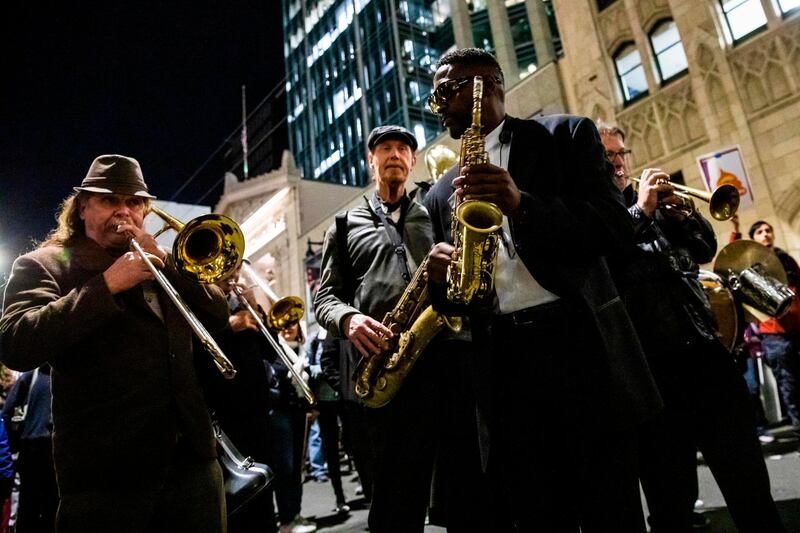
pixel 736 90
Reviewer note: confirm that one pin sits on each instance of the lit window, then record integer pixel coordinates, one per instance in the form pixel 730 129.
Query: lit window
pixel 630 72
pixel 413 88
pixel 788 5
pixel 668 49
pixel 743 17
pixel 419 134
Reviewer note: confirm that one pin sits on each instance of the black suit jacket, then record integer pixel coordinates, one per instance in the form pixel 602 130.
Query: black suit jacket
pixel 571 217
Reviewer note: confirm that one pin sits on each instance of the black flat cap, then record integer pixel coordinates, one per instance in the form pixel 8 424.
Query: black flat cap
pixel 382 133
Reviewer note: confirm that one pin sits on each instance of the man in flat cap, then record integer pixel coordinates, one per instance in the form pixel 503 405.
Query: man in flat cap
pixel 132 442
pixel 369 256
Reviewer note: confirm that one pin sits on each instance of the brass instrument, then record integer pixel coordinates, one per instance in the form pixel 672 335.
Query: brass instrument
pixel 438 160
pixel 475 223
pixel 207 249
pixel 757 278
pixel 722 201
pixel 283 314
pixel 413 323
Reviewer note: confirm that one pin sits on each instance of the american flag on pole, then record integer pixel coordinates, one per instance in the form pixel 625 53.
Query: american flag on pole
pixel 244 133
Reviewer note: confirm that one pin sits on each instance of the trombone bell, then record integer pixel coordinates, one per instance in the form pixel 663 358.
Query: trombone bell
pixel 207 249
pixel 285 313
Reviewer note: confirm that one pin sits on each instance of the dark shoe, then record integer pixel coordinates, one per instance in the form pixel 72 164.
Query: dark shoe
pixel 342 508
pixel 700 520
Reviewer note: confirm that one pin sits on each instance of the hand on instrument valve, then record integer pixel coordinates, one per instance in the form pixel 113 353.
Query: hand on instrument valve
pixel 128 271
pixel 369 336
pixel 654 191
pixel 439 259
pixel 489 183
pixel 242 320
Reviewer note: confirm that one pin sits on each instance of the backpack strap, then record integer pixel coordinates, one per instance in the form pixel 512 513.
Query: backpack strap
pixel 345 267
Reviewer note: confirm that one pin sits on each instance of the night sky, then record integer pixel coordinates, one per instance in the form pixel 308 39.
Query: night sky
pixel 158 81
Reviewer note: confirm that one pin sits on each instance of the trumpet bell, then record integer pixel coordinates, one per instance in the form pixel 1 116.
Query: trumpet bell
pixel 285 313
pixel 209 248
pixel 724 202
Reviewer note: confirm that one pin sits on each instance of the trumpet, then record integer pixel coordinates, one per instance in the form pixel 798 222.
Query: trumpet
pixel 283 314
pixel 722 201
pixel 207 249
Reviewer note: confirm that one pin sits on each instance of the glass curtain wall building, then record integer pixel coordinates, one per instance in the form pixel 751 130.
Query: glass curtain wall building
pixel 352 65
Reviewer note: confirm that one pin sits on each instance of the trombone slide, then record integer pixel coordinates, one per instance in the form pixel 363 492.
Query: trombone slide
pixel 223 363
pixel 299 376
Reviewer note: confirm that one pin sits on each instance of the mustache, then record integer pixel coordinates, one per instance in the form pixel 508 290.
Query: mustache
pixel 117 220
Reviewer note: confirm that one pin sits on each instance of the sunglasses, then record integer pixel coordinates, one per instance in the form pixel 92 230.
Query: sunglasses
pixel 448 89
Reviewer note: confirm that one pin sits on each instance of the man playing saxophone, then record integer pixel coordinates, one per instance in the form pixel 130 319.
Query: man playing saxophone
pixel 132 442
pixel 367 262
pixel 559 352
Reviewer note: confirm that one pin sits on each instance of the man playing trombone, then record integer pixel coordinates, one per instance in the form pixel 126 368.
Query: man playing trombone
pixel 133 443
pixel 706 403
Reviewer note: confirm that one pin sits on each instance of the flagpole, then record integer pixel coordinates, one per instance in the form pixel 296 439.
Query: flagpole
pixel 244 133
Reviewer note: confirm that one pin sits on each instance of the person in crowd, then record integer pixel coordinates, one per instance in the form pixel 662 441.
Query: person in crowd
pixel 337 364
pixel 7 379
pixel 366 266
pixel 28 411
pixel 707 405
pixel 287 426
pixel 780 337
pixel 329 410
pixel 749 352
pixel 7 479
pixel 315 462
pixel 241 405
pixel 559 352
pixel 132 440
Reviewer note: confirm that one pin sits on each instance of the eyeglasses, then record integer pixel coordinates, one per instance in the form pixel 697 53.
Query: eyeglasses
pixel 445 91
pixel 612 155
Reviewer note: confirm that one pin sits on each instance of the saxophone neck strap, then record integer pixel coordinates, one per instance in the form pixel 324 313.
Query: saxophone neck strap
pixel 394 232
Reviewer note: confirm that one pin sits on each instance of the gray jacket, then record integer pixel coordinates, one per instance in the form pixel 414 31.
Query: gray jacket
pixel 377 269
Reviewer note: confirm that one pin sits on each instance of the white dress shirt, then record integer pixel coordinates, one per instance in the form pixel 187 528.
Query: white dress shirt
pixel 516 288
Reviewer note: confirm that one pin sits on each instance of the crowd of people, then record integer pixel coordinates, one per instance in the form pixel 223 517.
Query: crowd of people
pixel 593 307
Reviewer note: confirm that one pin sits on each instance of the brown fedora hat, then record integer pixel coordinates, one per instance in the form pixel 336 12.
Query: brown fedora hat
pixel 115 174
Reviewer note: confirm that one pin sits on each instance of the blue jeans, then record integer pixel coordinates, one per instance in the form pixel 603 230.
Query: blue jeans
pixel 753 387
pixel 316 457
pixel 287 430
pixel 783 356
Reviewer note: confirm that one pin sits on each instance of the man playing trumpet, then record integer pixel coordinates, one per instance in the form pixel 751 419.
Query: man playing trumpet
pixel 706 403
pixel 133 445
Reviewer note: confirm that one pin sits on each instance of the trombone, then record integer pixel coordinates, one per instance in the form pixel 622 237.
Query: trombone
pixel 283 314
pixel 208 248
pixel 722 201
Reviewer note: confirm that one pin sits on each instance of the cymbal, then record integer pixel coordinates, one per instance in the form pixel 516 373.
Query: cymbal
pixel 740 255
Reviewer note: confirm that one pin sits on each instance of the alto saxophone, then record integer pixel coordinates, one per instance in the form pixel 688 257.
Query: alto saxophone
pixel 413 324
pixel 475 223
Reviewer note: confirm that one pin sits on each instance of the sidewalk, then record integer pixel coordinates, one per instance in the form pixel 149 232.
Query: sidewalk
pixel 783 463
